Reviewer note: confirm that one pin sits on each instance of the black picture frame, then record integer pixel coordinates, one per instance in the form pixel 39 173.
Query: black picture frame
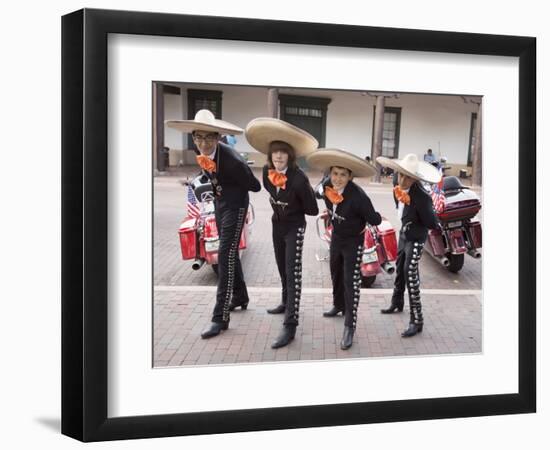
pixel 84 224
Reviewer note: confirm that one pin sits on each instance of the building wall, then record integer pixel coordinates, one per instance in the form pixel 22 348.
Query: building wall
pixel 240 106
pixel 173 109
pixel 439 122
pixel 349 122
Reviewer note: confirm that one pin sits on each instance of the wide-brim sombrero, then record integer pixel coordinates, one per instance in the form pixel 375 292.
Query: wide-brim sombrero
pixel 411 166
pixel 324 158
pixel 261 132
pixel 204 121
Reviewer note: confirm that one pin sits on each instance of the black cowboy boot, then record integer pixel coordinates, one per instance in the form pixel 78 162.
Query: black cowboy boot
pixel 347 338
pixel 214 329
pixel 232 305
pixel 279 309
pixel 288 333
pixel 333 312
pixel 397 304
pixel 414 328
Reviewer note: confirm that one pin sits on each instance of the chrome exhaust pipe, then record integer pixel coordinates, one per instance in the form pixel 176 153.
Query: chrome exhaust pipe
pixel 443 260
pixel 474 253
pixel 389 268
pixel 197 264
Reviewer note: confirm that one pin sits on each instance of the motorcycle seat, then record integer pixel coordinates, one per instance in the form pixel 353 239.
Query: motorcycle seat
pixel 452 183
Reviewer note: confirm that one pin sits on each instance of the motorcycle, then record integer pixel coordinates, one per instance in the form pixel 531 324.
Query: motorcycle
pixel 380 244
pixel 198 233
pixel 380 248
pixel 460 231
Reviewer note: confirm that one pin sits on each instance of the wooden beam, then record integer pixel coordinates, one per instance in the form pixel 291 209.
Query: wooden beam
pixel 273 102
pixel 378 132
pixel 159 126
pixel 477 151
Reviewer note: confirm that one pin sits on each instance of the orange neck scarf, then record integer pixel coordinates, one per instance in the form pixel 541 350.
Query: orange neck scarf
pixel 277 179
pixel 206 163
pixel 333 196
pixel 401 195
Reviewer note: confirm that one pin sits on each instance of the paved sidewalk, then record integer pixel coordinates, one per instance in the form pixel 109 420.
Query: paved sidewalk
pixel 184 298
pixel 452 325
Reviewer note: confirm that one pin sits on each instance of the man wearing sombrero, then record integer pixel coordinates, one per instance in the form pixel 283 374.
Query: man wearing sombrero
pixel 291 198
pixel 231 180
pixel 349 209
pixel 417 215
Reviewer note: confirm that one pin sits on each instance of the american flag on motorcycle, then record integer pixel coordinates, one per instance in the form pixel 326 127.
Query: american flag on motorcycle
pixel 193 209
pixel 438 197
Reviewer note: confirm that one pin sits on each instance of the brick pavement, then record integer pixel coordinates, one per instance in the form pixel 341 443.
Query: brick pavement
pixel 452 325
pixel 184 298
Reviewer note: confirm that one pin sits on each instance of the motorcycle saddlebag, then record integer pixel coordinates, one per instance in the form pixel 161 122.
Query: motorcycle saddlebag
pixel 435 241
pixel 475 232
pixel 386 235
pixel 188 238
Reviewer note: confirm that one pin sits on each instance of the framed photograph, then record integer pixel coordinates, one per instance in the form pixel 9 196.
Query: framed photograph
pixel 140 266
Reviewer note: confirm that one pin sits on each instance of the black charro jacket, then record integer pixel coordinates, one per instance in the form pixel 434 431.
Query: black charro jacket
pixel 232 179
pixel 419 215
pixel 352 214
pixel 290 205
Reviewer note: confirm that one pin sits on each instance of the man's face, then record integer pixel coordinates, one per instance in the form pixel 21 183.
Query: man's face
pixel 339 177
pixel 206 141
pixel 279 156
pixel 405 182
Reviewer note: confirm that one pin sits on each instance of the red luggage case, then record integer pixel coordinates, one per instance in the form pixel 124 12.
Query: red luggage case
pixel 386 234
pixel 475 232
pixel 188 238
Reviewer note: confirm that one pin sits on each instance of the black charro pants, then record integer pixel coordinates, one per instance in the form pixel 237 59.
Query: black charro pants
pixel 231 285
pixel 407 275
pixel 345 261
pixel 288 243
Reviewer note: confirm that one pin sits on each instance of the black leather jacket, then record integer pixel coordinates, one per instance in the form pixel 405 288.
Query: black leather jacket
pixel 419 215
pixel 290 205
pixel 352 214
pixel 232 179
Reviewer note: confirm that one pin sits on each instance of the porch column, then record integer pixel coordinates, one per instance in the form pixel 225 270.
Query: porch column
pixel 158 138
pixel 378 131
pixel 477 151
pixel 155 170
pixel 273 103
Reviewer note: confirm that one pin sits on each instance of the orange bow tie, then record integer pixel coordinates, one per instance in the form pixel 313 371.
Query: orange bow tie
pixel 206 163
pixel 401 195
pixel 333 195
pixel 277 179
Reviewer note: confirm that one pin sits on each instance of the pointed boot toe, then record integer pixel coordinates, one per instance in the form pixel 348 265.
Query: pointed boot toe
pixel 214 329
pixel 347 338
pixel 279 309
pixel 286 336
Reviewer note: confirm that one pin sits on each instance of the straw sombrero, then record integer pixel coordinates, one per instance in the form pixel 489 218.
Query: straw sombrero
pixel 324 158
pixel 263 131
pixel 204 121
pixel 412 167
